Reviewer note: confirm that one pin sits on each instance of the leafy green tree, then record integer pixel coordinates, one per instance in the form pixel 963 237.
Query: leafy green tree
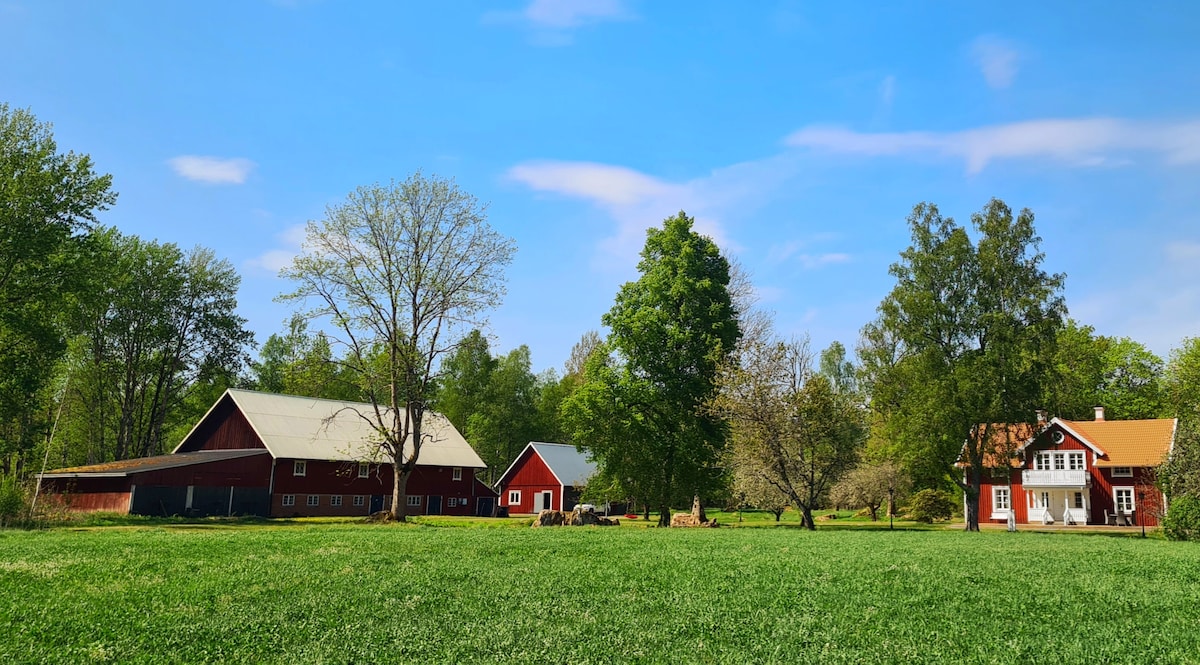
pixel 834 366
pixel 1182 380
pixel 48 203
pixel 163 326
pixel 1117 373
pixel 931 505
pixel 401 272
pixel 972 327
pixel 870 486
pixel 507 419
pixel 639 410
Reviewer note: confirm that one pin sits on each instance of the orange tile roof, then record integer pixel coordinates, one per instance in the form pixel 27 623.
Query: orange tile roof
pixel 1127 442
pixel 1004 438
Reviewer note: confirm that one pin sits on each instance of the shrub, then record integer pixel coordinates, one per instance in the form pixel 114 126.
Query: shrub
pixel 1182 521
pixel 12 501
pixel 930 505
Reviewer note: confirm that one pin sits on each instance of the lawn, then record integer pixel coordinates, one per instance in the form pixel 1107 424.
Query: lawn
pixel 346 592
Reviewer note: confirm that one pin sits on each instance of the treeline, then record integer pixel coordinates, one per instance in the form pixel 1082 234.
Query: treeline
pixel 112 342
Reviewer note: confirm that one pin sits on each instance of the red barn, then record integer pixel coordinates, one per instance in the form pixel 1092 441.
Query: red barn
pixel 545 476
pixel 280 455
pixel 1082 472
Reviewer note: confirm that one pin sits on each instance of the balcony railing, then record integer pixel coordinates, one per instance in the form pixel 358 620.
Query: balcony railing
pixel 1059 478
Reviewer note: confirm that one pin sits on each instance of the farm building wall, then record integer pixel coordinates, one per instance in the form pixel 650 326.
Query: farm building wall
pixel 530 477
pixel 336 489
pixel 225 428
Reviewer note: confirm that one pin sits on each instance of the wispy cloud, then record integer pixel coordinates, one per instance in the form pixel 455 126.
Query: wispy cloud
pixel 887 91
pixel 553 21
pixel 1077 142
pixel 290 240
pixel 212 170
pixel 998 60
pixel 791 252
pixel 636 201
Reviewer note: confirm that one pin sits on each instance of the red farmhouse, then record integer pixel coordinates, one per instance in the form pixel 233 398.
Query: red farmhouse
pixel 1082 472
pixel 280 456
pixel 545 476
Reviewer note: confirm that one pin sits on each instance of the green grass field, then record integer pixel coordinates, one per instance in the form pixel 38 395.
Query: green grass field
pixel 354 593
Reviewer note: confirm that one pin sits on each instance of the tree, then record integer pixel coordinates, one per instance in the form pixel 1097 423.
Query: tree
pixel 506 419
pixel 1181 380
pixel 1117 373
pixel 163 324
pixel 870 486
pixel 835 367
pixel 973 326
pixel 48 203
pixel 639 410
pixel 399 271
pixel 792 429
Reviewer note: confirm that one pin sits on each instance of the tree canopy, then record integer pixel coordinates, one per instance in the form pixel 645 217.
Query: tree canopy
pixel 639 410
pixel 401 272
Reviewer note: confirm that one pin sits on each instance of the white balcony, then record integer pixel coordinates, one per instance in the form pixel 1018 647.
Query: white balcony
pixel 1059 478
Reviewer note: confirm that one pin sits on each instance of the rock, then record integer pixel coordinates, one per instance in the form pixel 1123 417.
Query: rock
pixel 830 516
pixel 549 518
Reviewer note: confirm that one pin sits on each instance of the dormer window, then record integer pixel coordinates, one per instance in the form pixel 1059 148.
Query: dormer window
pixel 299 468
pixel 1122 472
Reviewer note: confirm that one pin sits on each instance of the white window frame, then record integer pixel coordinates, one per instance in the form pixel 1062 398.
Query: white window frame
pixel 1117 492
pixel 1078 501
pixel 314 500
pixel 364 470
pixel 1122 472
pixel 514 497
pixel 1076 461
pixel 335 500
pixel 1042 462
pixel 1001 494
pixel 360 500
pixel 452 502
pixel 300 468
pixel 1060 461
pixel 289 500
pixel 457 473
pixel 414 500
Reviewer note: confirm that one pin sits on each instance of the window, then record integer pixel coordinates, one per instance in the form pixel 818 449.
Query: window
pixel 1075 463
pixel 314 499
pixel 358 501
pixel 452 502
pixel 1079 499
pixel 1124 499
pixel 335 500
pixel 414 500
pixel 299 468
pixel 1060 461
pixel 289 499
pixel 514 497
pixel 1122 472
pixel 1042 462
pixel 364 470
pixel 1000 498
pixel 1041 500
pixel 457 473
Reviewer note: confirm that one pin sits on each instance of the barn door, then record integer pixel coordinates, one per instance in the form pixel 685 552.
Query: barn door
pixel 544 501
pixel 434 506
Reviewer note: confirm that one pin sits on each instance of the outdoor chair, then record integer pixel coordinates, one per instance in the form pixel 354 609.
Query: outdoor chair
pixel 1122 519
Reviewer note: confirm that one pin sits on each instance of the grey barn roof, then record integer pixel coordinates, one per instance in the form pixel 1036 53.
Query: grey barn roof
pixel 294 427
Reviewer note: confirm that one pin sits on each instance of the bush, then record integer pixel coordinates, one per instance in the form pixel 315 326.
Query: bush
pixel 930 505
pixel 1182 521
pixel 13 504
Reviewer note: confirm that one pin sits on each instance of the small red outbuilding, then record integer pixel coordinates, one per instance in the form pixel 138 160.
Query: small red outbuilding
pixel 545 476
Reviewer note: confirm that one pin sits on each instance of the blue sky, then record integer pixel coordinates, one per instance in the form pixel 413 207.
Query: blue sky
pixel 799 134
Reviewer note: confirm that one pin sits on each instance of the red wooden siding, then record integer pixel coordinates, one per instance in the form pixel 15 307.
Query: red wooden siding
pixel 224 429
pixel 88 494
pixel 530 476
pixel 328 479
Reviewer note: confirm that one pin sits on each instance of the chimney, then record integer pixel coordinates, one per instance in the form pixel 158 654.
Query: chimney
pixel 1099 414
pixel 1041 416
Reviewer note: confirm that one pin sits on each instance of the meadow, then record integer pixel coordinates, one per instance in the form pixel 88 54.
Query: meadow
pixel 446 592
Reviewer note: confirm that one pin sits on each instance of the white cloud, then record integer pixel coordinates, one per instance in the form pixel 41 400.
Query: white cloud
pixel 1075 141
pixel 291 239
pixel 560 14
pixel 997 60
pixel 212 170
pixel 812 262
pixel 636 201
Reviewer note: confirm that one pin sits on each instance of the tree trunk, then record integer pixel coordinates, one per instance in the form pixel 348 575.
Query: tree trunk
pixel 664 515
pixel 778 514
pixel 874 512
pixel 806 518
pixel 400 492
pixel 971 492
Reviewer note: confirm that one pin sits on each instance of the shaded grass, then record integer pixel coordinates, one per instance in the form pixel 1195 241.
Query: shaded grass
pixel 343 592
